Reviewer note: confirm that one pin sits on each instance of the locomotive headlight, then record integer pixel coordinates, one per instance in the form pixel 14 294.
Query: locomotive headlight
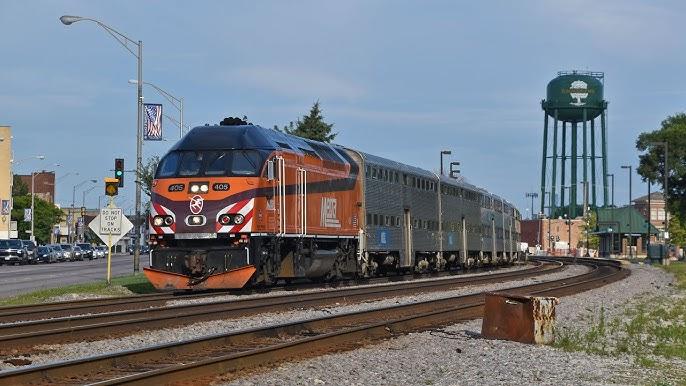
pixel 238 219
pixel 195 188
pixel 158 221
pixel 168 220
pixel 204 188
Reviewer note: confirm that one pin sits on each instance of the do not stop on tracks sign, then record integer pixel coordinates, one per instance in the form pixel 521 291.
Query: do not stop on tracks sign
pixel 110 226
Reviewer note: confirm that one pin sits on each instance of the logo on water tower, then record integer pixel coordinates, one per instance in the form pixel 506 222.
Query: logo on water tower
pixel 578 90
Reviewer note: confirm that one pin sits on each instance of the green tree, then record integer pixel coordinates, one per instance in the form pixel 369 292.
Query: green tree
pixel 19 188
pixel 677 229
pixel 652 168
pixel 589 227
pixel 147 174
pixel 652 163
pixel 311 126
pixel 46 215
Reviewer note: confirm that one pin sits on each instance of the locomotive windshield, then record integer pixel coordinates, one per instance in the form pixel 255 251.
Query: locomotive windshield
pixel 211 163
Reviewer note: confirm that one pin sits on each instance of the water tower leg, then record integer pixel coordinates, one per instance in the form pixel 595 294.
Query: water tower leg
pixel 543 160
pixel 553 182
pixel 585 154
pixel 563 164
pixel 593 189
pixel 572 185
pixel 603 140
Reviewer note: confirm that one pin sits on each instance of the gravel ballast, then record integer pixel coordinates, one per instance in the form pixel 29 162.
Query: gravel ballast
pixel 456 355
pixel 147 338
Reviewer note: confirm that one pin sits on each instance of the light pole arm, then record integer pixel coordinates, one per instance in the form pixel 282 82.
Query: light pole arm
pixel 120 37
pixel 176 102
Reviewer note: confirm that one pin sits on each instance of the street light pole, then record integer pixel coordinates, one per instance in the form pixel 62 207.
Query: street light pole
pixel 73 203
pixel 446 152
pixel 665 187
pixel 613 188
pixel 630 205
pixel 123 40
pixel 532 195
pixel 33 212
pixel 13 162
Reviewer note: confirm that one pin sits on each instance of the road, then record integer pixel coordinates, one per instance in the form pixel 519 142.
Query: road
pixel 15 280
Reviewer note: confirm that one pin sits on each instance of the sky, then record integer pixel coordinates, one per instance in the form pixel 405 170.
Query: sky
pixel 399 79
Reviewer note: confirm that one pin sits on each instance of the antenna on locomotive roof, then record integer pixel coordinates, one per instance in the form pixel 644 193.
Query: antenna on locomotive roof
pixel 231 121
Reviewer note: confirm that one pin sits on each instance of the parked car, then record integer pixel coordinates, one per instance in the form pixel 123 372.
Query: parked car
pixel 57 250
pixel 87 251
pixel 31 248
pixel 77 253
pixel 67 252
pixel 100 251
pixel 46 254
pixel 13 252
pixel 144 249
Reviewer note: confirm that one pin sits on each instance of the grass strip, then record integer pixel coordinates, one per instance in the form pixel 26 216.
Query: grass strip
pixel 122 285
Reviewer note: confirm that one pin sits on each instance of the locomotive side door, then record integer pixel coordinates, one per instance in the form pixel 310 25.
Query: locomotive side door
pixel 277 174
pixel 301 203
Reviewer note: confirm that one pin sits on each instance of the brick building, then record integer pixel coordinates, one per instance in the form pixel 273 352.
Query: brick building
pixel 44 183
pixel 553 235
pixel 657 211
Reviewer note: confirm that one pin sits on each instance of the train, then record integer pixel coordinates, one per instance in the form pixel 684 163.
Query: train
pixel 236 204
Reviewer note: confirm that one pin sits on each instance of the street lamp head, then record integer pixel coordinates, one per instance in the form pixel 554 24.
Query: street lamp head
pixel 446 152
pixel 626 167
pixel 40 157
pixel 68 20
pixel 133 81
pixel 94 181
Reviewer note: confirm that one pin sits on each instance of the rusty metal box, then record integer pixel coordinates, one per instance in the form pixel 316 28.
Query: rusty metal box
pixel 525 319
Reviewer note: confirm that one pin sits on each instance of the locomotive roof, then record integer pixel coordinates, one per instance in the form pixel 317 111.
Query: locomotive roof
pixel 217 137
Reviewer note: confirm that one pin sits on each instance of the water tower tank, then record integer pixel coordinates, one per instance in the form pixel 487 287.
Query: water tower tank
pixel 571 93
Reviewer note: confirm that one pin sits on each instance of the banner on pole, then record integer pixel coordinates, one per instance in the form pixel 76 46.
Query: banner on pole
pixel 152 130
pixel 27 215
pixel 5 207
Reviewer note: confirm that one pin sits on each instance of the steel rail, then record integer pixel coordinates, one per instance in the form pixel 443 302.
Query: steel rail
pixel 224 353
pixel 10 314
pixel 60 330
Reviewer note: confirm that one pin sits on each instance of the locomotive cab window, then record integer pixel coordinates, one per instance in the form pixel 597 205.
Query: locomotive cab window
pixel 210 163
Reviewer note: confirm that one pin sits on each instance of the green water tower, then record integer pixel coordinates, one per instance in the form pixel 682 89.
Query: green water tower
pixel 573 97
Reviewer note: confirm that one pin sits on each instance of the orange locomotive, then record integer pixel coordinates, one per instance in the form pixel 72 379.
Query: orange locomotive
pixel 233 205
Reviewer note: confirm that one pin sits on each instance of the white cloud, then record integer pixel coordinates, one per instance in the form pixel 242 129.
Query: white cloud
pixel 296 82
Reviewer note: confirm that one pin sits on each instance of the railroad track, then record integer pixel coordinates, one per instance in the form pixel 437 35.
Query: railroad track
pixel 22 335
pixel 12 314
pixel 199 360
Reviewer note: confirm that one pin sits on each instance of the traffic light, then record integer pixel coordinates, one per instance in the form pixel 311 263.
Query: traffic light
pixel 111 186
pixel 119 171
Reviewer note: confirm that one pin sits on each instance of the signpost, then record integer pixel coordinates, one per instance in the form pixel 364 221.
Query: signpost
pixel 110 226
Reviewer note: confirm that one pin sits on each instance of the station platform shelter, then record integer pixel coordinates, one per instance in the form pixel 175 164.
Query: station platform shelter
pixel 624 232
